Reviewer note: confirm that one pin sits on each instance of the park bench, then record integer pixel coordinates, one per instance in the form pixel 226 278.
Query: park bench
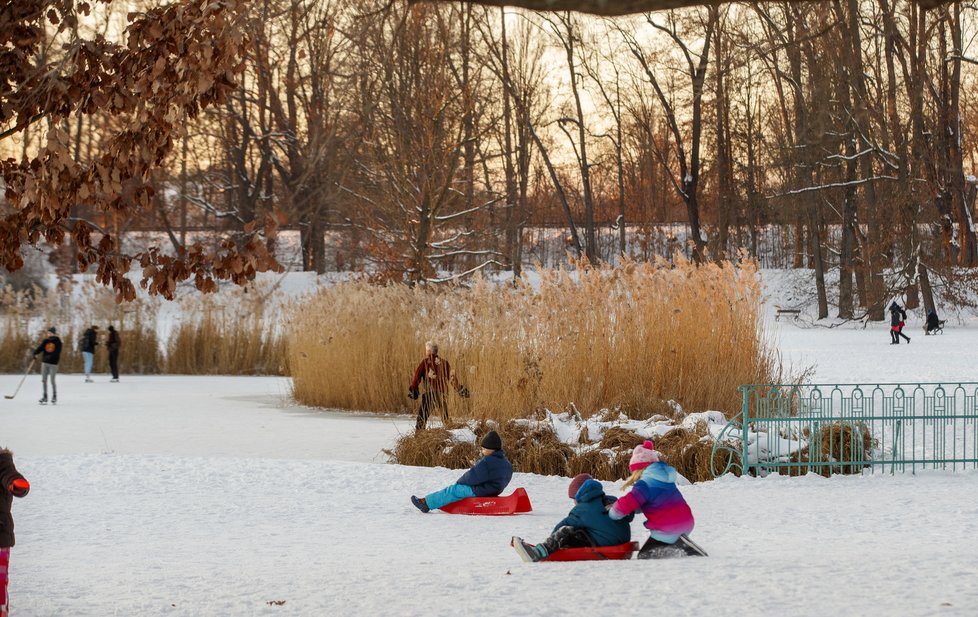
pixel 779 311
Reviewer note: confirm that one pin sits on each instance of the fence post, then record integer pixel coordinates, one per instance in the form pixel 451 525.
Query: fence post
pixel 744 414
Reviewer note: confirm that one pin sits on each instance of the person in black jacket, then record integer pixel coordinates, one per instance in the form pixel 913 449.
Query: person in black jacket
pixel 12 484
pixel 113 345
pixel 487 478
pixel 898 318
pixel 88 343
pixel 933 322
pixel 50 350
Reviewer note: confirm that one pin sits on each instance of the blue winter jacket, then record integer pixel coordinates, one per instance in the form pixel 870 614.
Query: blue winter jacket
pixel 590 514
pixel 489 476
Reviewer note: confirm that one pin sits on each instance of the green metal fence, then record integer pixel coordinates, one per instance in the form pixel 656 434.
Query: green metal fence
pixel 850 428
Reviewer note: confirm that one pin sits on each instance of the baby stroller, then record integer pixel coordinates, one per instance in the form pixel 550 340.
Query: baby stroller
pixel 933 325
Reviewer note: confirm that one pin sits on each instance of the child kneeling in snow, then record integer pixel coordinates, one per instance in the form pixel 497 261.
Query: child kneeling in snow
pixel 668 517
pixel 587 524
pixel 487 478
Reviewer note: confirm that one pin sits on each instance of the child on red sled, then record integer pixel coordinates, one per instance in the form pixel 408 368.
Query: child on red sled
pixel 668 517
pixel 587 524
pixel 487 478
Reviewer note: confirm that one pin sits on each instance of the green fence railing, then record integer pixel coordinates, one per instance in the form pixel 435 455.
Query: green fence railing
pixel 850 428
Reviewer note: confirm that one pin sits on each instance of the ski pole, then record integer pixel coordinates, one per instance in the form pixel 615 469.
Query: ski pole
pixel 22 379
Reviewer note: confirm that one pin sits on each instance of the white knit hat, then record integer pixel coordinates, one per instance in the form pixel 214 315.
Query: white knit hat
pixel 643 456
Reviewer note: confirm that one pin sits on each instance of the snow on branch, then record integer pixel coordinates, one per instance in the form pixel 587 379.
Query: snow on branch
pixel 834 185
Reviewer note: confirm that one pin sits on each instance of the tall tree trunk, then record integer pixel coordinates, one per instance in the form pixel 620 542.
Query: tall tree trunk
pixel 590 238
pixel 510 216
pixel 723 154
pixel 926 292
pixel 863 131
pixel 952 136
pixel 818 264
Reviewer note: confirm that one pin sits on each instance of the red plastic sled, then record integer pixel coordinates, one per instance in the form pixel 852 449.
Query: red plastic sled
pixel 516 503
pixel 619 551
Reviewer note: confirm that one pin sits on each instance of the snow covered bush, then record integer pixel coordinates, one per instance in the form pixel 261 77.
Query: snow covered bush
pixel 566 444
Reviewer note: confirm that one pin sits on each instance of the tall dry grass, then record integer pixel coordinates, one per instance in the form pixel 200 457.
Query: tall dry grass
pixel 235 333
pixel 226 338
pixel 628 337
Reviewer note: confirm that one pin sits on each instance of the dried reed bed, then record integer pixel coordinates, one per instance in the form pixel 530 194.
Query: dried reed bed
pixel 225 341
pixel 16 342
pixel 538 450
pixel 839 447
pixel 598 337
pixel 355 346
pixel 209 337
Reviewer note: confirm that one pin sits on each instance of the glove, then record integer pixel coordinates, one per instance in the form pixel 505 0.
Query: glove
pixel 463 392
pixel 19 487
pixel 413 395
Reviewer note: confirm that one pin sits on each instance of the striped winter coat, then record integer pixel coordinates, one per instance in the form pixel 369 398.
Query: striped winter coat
pixel 666 512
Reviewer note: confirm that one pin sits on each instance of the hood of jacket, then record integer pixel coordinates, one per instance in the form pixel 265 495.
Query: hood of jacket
pixel 660 472
pixel 589 491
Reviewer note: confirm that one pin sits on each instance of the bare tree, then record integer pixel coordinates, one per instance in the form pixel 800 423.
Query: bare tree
pixel 568 33
pixel 686 178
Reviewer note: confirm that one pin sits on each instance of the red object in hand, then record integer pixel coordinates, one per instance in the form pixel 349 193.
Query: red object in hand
pixel 19 487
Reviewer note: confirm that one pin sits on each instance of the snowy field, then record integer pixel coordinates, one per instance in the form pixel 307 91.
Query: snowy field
pixel 217 496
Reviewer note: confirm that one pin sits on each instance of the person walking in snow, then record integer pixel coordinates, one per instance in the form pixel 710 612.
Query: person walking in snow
pixel 89 341
pixel 50 350
pixel 933 322
pixel 587 524
pixel 667 515
pixel 487 478
pixel 436 373
pixel 113 345
pixel 898 319
pixel 12 484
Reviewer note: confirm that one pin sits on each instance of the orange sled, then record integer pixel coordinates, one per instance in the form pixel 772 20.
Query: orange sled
pixel 591 553
pixel 516 503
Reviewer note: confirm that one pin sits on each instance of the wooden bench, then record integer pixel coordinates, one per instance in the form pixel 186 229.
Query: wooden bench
pixel 778 312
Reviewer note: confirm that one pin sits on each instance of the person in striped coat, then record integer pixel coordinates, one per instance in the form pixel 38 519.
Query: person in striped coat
pixel 654 492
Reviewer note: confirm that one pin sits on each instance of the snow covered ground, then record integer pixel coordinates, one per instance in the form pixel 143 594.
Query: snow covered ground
pixel 217 496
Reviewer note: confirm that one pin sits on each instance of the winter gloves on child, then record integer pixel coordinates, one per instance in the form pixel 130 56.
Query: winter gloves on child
pixel 413 395
pixel 19 487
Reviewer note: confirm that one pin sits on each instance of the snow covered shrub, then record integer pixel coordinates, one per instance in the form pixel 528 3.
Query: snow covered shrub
pixel 566 445
pixel 425 449
pixel 626 337
pixel 839 447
